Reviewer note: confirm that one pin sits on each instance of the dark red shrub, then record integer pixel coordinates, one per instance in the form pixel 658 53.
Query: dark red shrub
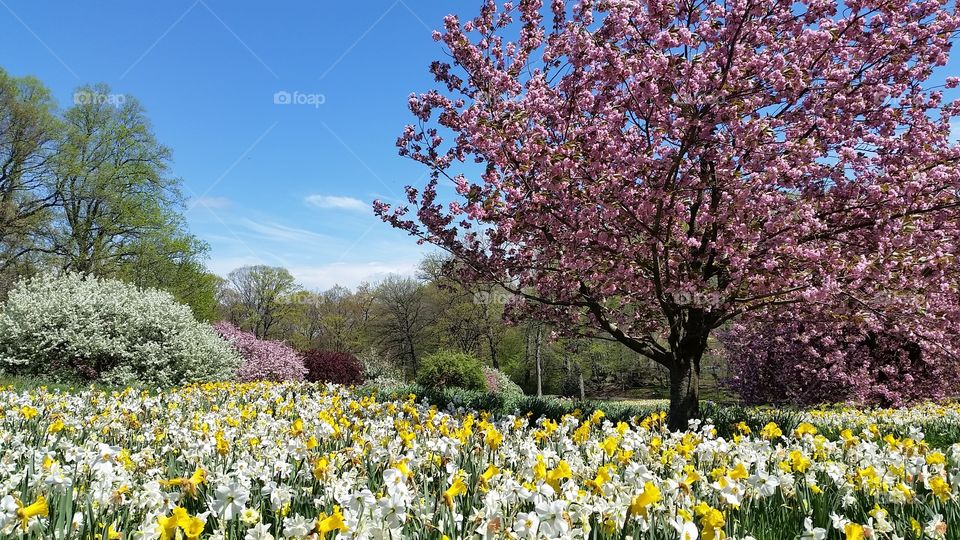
pixel 335 367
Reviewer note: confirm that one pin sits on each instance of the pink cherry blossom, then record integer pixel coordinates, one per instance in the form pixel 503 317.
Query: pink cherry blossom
pixel 264 360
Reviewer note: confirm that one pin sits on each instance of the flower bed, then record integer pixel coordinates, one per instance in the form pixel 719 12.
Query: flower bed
pixel 296 460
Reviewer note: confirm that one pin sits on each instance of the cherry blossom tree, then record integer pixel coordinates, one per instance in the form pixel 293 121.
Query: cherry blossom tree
pixel 653 170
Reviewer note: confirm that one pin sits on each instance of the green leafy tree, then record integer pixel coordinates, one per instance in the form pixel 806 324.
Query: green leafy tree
pixel 29 131
pixel 112 178
pixel 176 266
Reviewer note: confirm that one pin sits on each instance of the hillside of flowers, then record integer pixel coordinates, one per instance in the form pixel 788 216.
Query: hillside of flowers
pixel 256 461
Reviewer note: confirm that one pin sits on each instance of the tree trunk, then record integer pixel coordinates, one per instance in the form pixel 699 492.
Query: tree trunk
pixel 413 358
pixel 493 350
pixel 684 393
pixel 539 361
pixel 527 366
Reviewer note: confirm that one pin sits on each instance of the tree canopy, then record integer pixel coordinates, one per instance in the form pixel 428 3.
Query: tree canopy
pixel 88 189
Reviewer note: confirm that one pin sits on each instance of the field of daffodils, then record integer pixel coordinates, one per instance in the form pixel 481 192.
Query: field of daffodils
pixel 272 461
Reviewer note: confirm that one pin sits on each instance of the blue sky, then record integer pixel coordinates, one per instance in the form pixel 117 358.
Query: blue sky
pixel 279 184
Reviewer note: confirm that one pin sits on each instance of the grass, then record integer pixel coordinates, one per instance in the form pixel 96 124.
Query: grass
pixel 710 390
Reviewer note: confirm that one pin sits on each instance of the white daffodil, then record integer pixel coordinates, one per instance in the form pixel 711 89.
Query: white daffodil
pixel 812 533
pixel 260 531
pixel 229 500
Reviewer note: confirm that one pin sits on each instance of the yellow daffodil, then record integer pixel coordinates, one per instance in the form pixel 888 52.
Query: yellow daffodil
pixel 940 487
pixel 798 462
pixel 457 488
pixel 37 509
pixel 739 472
pixel 327 524
pixel 603 476
pixel 560 472
pixel 321 466
pixel 771 431
pixel 853 531
pixel 492 437
pixel 609 446
pixel 29 412
pixel 647 498
pixel 712 523
pixel 936 458
pixel 488 474
pixel 193 528
pixel 56 426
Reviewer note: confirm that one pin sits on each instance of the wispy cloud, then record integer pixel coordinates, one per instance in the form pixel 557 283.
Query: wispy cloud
pixel 277 232
pixel 222 266
pixel 211 202
pixel 337 203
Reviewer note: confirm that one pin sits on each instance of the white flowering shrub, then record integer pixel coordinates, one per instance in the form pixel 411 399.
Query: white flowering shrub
pixel 72 327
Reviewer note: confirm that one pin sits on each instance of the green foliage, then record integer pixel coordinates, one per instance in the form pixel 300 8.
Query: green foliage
pixel 451 369
pixel 176 267
pixel 29 131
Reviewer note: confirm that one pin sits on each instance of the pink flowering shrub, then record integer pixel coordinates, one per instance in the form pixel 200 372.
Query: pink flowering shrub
pixel 792 361
pixel 499 382
pixel 264 360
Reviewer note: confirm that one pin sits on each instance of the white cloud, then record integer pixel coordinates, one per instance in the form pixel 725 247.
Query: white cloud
pixel 224 265
pixel 322 277
pixel 337 203
pixel 210 202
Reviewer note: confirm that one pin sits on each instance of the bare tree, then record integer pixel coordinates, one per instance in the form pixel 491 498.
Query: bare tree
pixel 258 297
pixel 333 320
pixel 402 319
pixel 472 313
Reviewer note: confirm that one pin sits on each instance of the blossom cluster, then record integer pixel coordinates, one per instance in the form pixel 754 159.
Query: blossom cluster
pixel 654 170
pixel 800 360
pixel 263 461
pixel 263 359
pixel 73 326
